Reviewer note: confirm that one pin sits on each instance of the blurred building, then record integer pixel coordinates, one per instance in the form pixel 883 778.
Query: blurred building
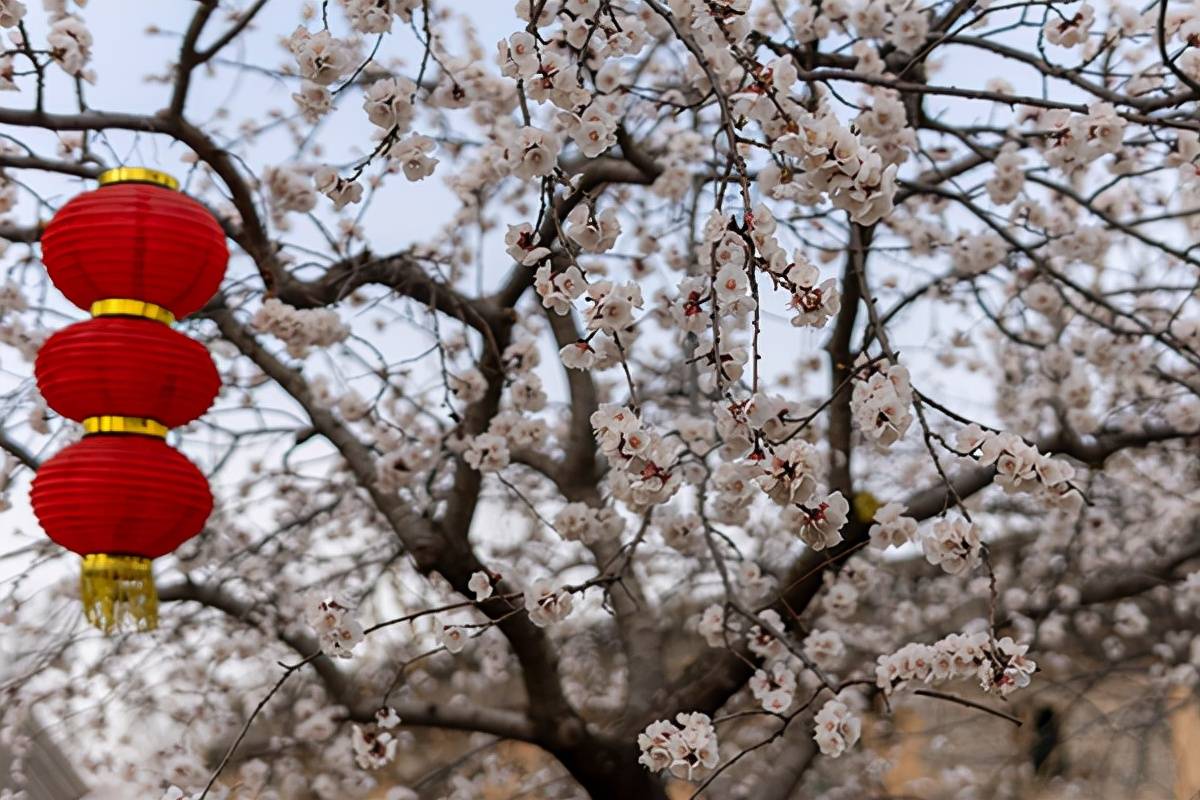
pixel 1105 741
pixel 45 773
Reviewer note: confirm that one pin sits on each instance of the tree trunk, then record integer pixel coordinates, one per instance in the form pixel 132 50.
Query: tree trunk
pixel 611 772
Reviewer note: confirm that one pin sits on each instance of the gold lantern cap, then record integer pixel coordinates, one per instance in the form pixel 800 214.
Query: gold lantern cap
pixel 137 175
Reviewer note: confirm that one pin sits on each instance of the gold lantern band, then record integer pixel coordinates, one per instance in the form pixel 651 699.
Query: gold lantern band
pixel 124 307
pixel 137 175
pixel 117 590
pixel 116 424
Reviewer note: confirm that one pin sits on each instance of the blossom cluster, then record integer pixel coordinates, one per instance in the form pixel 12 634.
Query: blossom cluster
pixel 1076 140
pixel 974 254
pixel 374 745
pixel 713 626
pixel 288 191
pixel 596 232
pixel 824 648
pixel 733 492
pixel 580 522
pixel 814 303
pixel 388 103
pixel 1070 31
pixel 69 42
pixel 375 16
pixel 881 403
pixel 762 642
pixel 1020 467
pixel 401 466
pixel 774 689
pixel 612 306
pixel 609 316
pixel 512 429
pixel 682 532
pixel 487 452
pixel 1008 179
pixel 892 528
pixel 688 750
pixel 954 544
pixel 645 463
pixel 335 625
pixel 341 191
pixel 300 328
pixel 836 728
pixel 789 476
pixel 1000 665
pixel 821 157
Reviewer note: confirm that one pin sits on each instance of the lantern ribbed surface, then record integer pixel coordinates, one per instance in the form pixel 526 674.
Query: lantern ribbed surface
pixel 121 495
pixel 138 255
pixel 126 367
pixel 139 241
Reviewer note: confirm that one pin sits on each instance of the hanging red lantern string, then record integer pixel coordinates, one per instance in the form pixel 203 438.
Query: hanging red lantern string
pixel 138 255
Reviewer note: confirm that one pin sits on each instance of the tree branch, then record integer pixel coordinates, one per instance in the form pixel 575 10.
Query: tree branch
pixel 507 724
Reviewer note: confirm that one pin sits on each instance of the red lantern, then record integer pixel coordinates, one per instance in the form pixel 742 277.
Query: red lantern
pixel 143 497
pixel 136 240
pixel 137 255
pixel 118 501
pixel 87 370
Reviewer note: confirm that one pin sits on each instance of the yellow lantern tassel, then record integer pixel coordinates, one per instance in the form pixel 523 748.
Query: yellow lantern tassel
pixel 865 505
pixel 119 589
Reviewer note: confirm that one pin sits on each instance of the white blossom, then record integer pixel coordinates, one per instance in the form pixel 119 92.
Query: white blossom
pixel 558 291
pixel 522 247
pixel 481 585
pixel 1067 29
pixel 952 543
pixel 388 103
pixel 790 475
pixel 487 453
pixel 547 602
pixel 336 627
pixel 594 232
pixel 321 58
pixel 533 153
pixel 814 304
pixel 713 626
pixel 314 100
pixel 837 728
pixel 824 648
pixel 11 12
pixel 373 748
pixel 775 689
pixel 818 521
pixel 452 637
pixel 338 189
pixel 70 45
pixel 412 154
pixel 891 528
